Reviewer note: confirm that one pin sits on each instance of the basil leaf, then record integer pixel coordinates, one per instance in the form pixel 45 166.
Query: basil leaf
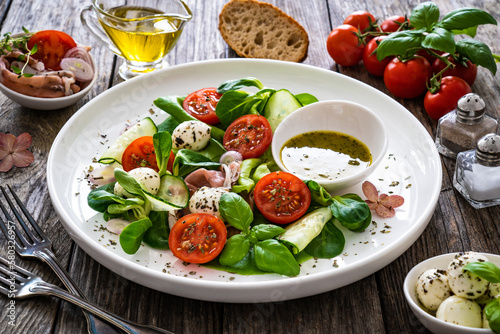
pixel 492 312
pixel 398 43
pixel 319 195
pixel 235 250
pixel 424 15
pixel 157 235
pixel 132 234
pixel 272 256
pixel 485 270
pixel 214 150
pixel 267 231
pixel 440 39
pixel 351 211
pixel 235 211
pixel 306 98
pixel 478 53
pixel 464 18
pixel 239 83
pixel 100 198
pixel 162 142
pixel 187 161
pixel 168 125
pixel 231 106
pixel 469 31
pixel 328 244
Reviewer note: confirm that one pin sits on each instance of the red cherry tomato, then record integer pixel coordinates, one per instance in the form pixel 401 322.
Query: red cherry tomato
pixel 407 79
pixel 197 238
pixel 250 135
pixel 170 163
pixel 344 46
pixel 52 45
pixel 360 20
pixel 201 105
pixel 468 73
pixel 446 98
pixel 372 64
pixel 390 24
pixel 282 197
pixel 140 153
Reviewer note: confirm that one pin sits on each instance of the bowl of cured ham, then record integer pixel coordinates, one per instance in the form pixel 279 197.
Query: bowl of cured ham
pixel 40 87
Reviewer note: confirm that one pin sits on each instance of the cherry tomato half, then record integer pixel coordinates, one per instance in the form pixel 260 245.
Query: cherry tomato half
pixel 344 46
pixel 360 19
pixel 201 105
pixel 372 64
pixel 391 25
pixel 197 238
pixel 250 135
pixel 52 45
pixel 140 153
pixel 446 98
pixel 282 197
pixel 468 73
pixel 407 79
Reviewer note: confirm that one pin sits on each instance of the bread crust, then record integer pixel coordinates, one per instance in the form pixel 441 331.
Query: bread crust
pixel 255 29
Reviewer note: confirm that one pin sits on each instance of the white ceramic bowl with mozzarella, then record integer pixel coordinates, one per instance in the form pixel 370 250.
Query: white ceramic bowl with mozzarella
pixel 340 116
pixel 432 323
pixel 53 103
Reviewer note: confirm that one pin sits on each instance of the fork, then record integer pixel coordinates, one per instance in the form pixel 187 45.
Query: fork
pixel 40 247
pixel 26 284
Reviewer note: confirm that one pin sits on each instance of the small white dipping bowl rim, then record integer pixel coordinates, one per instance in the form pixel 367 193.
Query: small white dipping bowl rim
pixel 340 116
pixel 432 323
pixel 49 103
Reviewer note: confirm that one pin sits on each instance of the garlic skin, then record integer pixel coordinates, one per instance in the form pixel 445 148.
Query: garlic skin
pixel 147 177
pixel 432 288
pixel 193 135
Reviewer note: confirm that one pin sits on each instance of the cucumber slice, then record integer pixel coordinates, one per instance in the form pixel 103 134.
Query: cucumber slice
pixel 159 204
pixel 114 153
pixel 173 190
pixel 281 104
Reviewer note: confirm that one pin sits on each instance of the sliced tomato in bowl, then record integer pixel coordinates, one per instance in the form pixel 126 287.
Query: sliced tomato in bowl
pixel 51 47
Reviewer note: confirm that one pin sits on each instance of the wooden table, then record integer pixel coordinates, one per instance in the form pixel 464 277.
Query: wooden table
pixel 373 305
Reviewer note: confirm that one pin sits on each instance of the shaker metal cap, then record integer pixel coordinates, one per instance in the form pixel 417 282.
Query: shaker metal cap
pixel 488 150
pixel 470 108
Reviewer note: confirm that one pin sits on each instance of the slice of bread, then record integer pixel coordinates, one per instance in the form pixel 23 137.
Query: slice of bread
pixel 256 29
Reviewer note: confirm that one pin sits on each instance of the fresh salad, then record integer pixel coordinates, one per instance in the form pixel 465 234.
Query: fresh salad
pixel 203 184
pixel 47 63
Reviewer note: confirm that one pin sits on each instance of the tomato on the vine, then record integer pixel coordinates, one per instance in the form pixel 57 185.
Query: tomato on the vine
pixel 249 135
pixel 468 73
pixel 407 79
pixel 362 20
pixel 52 45
pixel 201 105
pixel 197 237
pixel 344 46
pixel 282 197
pixel 446 98
pixel 140 153
pixel 391 25
pixel 372 64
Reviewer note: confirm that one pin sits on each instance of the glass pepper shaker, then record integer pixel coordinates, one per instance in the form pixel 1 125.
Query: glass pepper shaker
pixel 460 129
pixel 477 173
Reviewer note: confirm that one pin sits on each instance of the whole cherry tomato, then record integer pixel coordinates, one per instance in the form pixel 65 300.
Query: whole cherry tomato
pixel 390 24
pixel 372 64
pixel 360 19
pixel 468 73
pixel 446 98
pixel 344 46
pixel 407 79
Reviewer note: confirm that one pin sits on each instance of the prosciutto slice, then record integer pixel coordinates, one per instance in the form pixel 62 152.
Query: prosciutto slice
pixel 213 178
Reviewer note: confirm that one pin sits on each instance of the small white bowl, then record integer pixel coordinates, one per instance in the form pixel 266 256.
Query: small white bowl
pixel 40 103
pixel 432 323
pixel 340 116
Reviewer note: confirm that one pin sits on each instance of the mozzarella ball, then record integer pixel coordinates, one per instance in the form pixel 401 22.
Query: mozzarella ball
pixel 432 288
pixel 206 200
pixel 464 283
pixel 193 135
pixel 460 311
pixel 147 177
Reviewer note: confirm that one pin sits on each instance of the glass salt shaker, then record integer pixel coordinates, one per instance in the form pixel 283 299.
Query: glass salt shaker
pixel 477 173
pixel 460 129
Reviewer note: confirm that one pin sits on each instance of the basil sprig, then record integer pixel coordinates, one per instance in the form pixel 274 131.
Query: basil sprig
pixel 269 254
pixel 430 33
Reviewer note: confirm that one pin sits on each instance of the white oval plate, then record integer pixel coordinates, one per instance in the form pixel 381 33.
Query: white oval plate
pixel 412 169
